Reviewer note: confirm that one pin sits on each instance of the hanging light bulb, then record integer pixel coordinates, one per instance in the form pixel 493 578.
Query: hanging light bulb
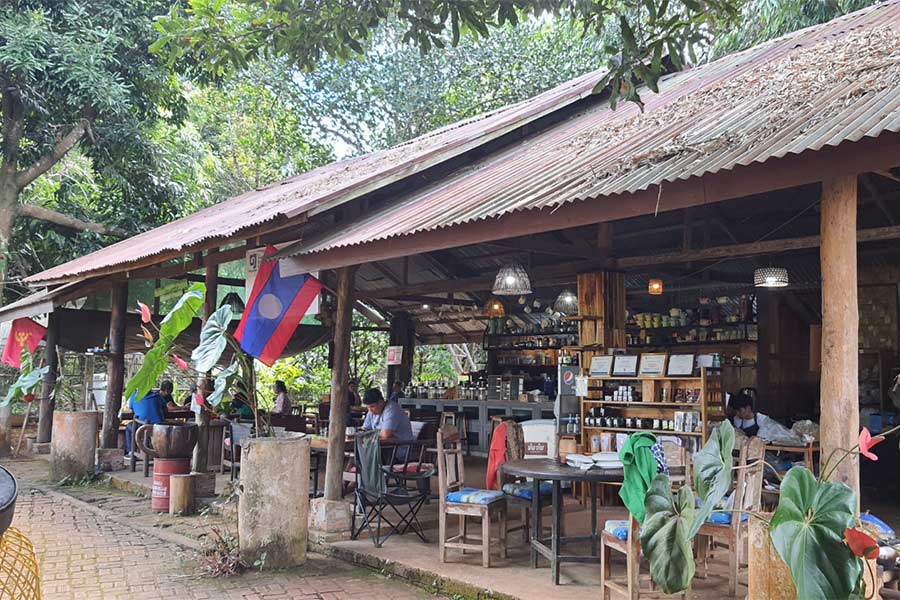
pixel 494 309
pixel 566 303
pixel 512 280
pixel 771 277
pixel 655 287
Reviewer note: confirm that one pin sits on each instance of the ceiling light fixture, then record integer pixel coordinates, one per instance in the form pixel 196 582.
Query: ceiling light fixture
pixel 655 287
pixel 512 280
pixel 771 277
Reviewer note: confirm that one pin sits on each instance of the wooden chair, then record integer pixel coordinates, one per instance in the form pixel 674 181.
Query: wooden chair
pixel 235 433
pixel 748 497
pixel 630 585
pixel 518 493
pixel 135 451
pixel 459 421
pixel 456 499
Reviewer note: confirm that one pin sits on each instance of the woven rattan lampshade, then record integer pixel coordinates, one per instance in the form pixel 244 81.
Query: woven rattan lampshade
pixel 566 303
pixel 771 277
pixel 512 280
pixel 494 309
pixel 655 287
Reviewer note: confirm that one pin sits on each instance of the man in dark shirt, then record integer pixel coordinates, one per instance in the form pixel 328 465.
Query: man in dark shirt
pixel 150 409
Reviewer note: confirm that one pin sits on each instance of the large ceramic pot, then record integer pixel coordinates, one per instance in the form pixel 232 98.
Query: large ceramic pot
pixel 167 440
pixel 8 492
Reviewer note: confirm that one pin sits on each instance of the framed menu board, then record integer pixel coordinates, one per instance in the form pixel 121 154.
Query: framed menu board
pixel 625 365
pixel 653 365
pixel 681 365
pixel 601 366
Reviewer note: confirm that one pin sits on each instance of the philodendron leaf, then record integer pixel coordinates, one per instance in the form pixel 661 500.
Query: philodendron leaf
pixel 712 472
pixel 155 362
pixel 183 313
pixel 222 384
pixel 665 538
pixel 24 384
pixel 807 531
pixel 213 340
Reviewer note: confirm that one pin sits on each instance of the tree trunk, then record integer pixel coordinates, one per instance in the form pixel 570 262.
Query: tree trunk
pixel 8 197
pixel 840 327
pixel 334 466
pixel 115 366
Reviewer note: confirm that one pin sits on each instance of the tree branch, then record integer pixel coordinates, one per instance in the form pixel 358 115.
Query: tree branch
pixel 51 216
pixel 44 163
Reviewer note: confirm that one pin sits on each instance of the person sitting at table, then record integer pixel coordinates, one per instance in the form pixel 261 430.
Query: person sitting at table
pixel 185 398
pixel 150 409
pixel 743 415
pixel 396 392
pixel 239 405
pixel 282 400
pixel 386 417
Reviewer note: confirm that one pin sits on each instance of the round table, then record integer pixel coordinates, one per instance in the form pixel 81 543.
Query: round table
pixel 548 469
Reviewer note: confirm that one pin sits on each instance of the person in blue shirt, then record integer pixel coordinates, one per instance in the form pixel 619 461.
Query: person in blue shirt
pixel 150 409
pixel 396 392
pixel 387 417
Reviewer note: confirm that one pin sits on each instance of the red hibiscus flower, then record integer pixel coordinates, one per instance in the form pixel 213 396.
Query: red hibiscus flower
pixel 861 544
pixel 866 441
pixel 28 397
pixel 145 312
pixel 179 362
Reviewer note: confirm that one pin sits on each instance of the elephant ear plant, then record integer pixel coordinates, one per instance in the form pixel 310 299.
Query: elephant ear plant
pixel 29 376
pixel 238 377
pixel 812 529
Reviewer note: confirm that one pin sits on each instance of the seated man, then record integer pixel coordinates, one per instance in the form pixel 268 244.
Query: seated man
pixel 150 409
pixel 386 417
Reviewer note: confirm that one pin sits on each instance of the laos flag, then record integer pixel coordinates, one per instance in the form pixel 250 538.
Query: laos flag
pixel 275 308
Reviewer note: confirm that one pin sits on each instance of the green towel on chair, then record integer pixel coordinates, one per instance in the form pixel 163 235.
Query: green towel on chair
pixel 640 469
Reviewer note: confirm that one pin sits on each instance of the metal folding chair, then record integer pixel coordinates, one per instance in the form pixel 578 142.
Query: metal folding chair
pixel 383 494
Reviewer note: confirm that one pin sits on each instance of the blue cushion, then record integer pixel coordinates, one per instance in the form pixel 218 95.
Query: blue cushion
pixel 724 518
pixel 883 528
pixel 618 528
pixel 526 490
pixel 473 496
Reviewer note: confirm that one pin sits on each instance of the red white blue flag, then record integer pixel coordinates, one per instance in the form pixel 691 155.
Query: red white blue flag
pixel 275 308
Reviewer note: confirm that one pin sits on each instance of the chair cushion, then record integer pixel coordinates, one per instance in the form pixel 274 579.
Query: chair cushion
pixel 618 528
pixel 526 490
pixel 473 496
pixel 724 518
pixel 413 467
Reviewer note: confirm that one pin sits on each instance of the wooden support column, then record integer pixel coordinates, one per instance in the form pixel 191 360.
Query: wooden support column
pixel 339 381
pixel 402 333
pixel 45 420
pixel 839 423
pixel 601 310
pixel 201 460
pixel 115 366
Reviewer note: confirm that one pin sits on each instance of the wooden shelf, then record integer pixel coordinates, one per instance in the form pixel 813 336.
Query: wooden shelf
pixel 659 431
pixel 627 378
pixel 642 404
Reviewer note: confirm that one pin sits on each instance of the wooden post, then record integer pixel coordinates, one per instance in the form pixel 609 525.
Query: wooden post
pixel 840 327
pixel 402 333
pixel 45 420
pixel 334 466
pixel 115 366
pixel 182 494
pixel 200 460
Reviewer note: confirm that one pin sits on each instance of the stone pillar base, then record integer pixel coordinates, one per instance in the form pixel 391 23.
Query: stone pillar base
pixel 110 459
pixel 329 516
pixel 205 484
pixel 40 448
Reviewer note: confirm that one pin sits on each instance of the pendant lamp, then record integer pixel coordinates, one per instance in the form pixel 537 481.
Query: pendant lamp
pixel 566 303
pixel 771 277
pixel 494 309
pixel 655 287
pixel 512 280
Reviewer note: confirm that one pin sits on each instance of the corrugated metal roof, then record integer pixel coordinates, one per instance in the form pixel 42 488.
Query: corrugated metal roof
pixel 818 87
pixel 326 186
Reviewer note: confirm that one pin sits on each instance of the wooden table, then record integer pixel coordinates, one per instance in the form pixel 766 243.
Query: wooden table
pixel 548 469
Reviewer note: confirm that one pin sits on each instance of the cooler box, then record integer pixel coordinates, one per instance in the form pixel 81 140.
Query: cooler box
pixel 541 440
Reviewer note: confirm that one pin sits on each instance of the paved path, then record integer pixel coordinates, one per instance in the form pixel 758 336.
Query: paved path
pixel 89 552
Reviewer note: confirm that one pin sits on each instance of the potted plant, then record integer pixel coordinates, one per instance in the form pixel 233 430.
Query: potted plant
pixel 273 505
pixel 813 530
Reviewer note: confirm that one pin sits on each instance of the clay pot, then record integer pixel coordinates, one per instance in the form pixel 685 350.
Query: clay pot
pixel 167 440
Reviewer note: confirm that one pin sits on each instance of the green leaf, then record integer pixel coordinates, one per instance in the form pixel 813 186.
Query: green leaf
pixel 712 472
pixel 222 383
pixel 665 535
pixel 155 362
pixel 183 313
pixel 27 380
pixel 807 531
pixel 213 340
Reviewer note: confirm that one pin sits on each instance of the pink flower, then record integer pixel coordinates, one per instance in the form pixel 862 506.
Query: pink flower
pixel 179 362
pixel 145 312
pixel 866 441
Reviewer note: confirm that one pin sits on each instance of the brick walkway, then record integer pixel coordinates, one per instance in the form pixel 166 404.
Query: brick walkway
pixel 86 553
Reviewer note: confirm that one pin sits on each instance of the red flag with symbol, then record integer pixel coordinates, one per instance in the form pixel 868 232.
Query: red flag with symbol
pixel 24 333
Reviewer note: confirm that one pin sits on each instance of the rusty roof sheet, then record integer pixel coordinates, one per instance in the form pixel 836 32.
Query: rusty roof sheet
pixel 821 86
pixel 327 186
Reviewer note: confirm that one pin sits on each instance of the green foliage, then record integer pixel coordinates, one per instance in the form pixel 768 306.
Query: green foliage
pixel 230 34
pixel 28 379
pixel 666 535
pixel 223 382
pixel 712 471
pixel 807 530
pixel 157 358
pixel 213 340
